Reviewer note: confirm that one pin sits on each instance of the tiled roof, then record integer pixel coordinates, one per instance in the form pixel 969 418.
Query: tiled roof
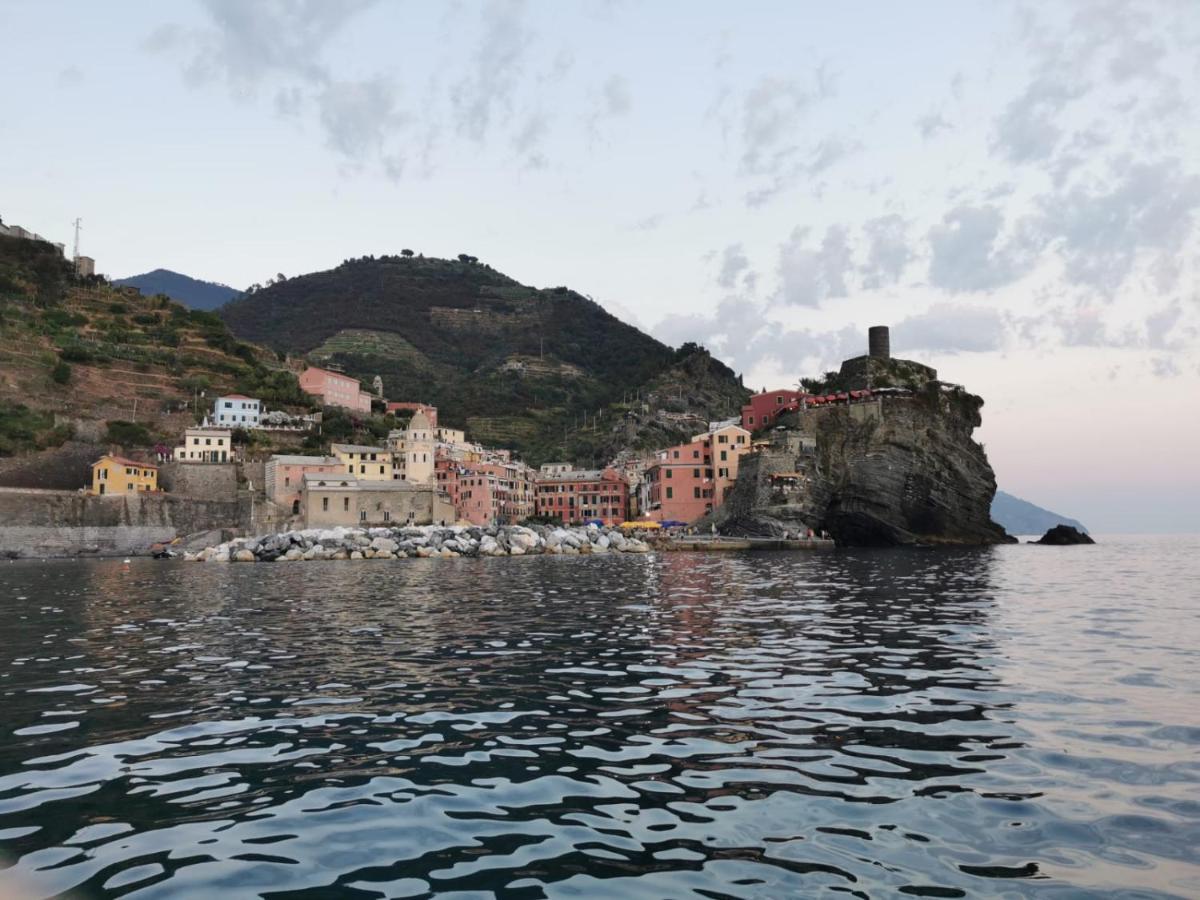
pixel 125 461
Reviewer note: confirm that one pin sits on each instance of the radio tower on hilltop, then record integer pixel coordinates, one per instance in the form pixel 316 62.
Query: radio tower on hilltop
pixel 78 223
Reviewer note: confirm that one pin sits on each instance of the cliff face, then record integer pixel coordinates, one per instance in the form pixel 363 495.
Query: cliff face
pixel 898 470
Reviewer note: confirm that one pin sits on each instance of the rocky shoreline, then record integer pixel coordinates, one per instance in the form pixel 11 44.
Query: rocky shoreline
pixel 427 541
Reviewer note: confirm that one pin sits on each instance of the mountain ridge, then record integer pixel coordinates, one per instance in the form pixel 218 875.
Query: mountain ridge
pixel 1022 517
pixel 194 293
pixel 529 368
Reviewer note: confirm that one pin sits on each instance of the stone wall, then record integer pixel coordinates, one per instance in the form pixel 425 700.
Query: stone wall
pixel 36 524
pixel 204 481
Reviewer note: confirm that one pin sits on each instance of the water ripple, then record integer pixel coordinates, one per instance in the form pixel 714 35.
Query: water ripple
pixel 952 724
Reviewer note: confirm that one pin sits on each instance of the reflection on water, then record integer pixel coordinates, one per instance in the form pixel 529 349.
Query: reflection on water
pixel 1009 722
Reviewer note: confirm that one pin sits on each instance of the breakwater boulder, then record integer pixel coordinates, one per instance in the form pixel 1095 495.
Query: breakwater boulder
pixel 424 542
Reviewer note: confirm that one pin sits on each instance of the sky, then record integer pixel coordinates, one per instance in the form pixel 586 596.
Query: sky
pixel 1013 187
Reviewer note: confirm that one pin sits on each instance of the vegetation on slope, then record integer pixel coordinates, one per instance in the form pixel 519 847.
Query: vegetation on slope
pixel 87 350
pixel 518 366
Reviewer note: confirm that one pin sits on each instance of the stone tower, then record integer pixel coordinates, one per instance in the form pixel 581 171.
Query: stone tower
pixel 419 450
pixel 879 342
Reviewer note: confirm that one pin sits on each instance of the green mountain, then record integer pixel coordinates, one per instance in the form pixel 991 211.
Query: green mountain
pixel 191 292
pixel 1022 517
pixel 547 372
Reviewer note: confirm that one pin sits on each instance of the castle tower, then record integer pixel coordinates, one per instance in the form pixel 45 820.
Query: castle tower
pixel 879 342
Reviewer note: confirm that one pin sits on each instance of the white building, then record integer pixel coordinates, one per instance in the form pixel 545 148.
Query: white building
pixel 237 411
pixel 206 444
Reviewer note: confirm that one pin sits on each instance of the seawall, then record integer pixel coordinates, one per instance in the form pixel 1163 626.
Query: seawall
pixel 45 523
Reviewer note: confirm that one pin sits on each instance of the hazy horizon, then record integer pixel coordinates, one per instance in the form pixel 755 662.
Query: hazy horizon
pixel 1013 188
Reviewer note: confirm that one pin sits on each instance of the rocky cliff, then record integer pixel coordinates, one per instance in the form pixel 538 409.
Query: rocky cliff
pixel 892 470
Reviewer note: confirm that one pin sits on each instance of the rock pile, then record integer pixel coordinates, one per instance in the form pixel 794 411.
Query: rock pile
pixel 420 541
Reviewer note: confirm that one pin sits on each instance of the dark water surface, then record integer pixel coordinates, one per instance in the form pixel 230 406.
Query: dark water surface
pixel 1023 721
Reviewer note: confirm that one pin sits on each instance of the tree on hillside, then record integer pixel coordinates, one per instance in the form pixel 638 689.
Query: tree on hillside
pixel 406 252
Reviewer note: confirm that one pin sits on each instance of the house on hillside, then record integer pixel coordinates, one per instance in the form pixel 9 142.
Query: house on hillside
pixel 237 411
pixel 284 476
pixel 118 475
pixel 206 444
pixel 335 389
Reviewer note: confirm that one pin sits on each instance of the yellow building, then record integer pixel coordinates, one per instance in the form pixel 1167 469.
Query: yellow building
pixel 118 475
pixel 364 463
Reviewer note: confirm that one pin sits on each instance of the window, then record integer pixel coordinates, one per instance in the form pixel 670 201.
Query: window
pixel 669 472
pixel 129 486
pixel 345 504
pixel 724 455
pixel 722 439
pixel 207 442
pixel 287 481
pixel 695 454
pixel 752 420
pixel 362 515
pixel 670 493
pixel 387 516
pixel 696 493
pixel 325 504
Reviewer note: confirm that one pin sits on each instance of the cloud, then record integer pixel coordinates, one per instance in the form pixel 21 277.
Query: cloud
pixel 358 116
pixel 808 276
pixel 1162 327
pixel 932 124
pixel 733 263
pixel 496 63
pixel 741 333
pixel 952 328
pixel 888 251
pixel 968 253
pixel 1028 129
pixel 1103 227
pixel 69 77
pixel 617 99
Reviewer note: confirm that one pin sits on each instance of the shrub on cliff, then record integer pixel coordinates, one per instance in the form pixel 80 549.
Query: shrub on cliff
pixel 127 434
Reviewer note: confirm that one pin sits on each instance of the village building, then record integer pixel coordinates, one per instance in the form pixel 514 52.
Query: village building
pixel 237 411
pixel 764 408
pixel 364 462
pixel 583 495
pixel 413 452
pixel 687 481
pixel 331 499
pixel 205 444
pixel 488 492
pixel 335 389
pixel 284 477
pixel 118 475
pixel 444 435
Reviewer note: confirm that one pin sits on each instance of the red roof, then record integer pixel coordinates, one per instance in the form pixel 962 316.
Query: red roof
pixel 235 397
pixel 125 461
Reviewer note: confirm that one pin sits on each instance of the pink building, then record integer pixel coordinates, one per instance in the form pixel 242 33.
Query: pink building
pixel 404 406
pixel 285 476
pixel 583 495
pixel 486 493
pixel 335 389
pixel 764 408
pixel 680 483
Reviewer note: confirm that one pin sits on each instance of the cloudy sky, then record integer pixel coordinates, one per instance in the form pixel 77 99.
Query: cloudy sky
pixel 1013 187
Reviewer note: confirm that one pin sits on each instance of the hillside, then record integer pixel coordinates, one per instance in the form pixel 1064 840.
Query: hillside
pixel 1022 517
pixel 191 292
pixel 77 355
pixel 518 366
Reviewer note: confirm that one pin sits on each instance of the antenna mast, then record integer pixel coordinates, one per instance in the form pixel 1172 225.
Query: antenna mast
pixel 78 223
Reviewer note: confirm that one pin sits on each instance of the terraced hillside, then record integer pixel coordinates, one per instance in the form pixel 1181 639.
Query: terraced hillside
pixel 78 354
pixel 531 369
